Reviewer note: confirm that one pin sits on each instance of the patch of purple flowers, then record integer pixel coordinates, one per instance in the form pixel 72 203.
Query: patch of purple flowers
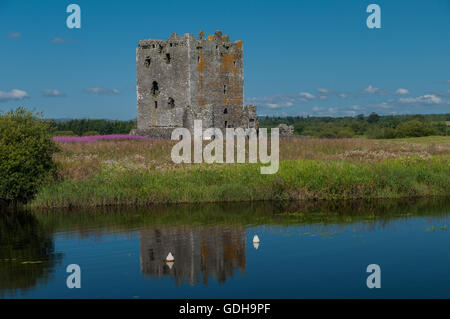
pixel 96 138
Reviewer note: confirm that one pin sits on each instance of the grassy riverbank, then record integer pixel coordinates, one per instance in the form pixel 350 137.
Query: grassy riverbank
pixel 141 173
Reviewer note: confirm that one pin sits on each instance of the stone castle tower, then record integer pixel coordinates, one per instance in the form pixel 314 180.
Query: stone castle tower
pixel 185 79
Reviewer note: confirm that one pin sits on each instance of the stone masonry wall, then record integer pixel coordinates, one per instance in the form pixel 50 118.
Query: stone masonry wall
pixel 184 79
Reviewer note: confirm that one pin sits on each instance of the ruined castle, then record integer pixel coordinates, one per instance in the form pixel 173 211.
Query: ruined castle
pixel 184 79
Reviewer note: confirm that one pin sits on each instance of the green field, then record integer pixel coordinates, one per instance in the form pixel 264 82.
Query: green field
pixel 141 173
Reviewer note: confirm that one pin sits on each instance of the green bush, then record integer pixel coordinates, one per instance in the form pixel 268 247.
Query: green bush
pixel 90 133
pixel 26 151
pixel 384 132
pixel 327 133
pixel 345 133
pixel 414 128
pixel 63 133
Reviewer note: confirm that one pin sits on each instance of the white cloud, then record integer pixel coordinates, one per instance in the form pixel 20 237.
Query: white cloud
pixel 323 97
pixel 317 108
pixel 426 99
pixel 14 94
pixel 278 105
pixel 307 95
pixel 384 105
pixel 323 91
pixel 14 35
pixel 343 95
pixel 102 91
pixel 401 91
pixel 53 93
pixel 371 90
pixel 332 109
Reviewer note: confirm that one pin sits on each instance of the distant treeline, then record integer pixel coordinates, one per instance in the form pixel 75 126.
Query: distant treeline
pixel 372 126
pixel 91 127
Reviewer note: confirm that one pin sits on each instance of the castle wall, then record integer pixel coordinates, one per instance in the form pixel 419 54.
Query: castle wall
pixel 184 79
pixel 164 63
pixel 216 71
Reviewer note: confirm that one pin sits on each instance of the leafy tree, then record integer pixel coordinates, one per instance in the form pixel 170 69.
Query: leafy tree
pixel 373 118
pixel 26 151
pixel 414 128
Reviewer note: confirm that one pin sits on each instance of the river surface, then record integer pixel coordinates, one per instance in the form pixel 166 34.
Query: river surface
pixel 306 250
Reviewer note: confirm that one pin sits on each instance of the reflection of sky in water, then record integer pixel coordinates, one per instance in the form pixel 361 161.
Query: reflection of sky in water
pixel 306 261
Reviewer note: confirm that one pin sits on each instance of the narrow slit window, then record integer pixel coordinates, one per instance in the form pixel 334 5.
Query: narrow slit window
pixel 224 89
pixel 168 58
pixel 225 111
pixel 155 88
pixel 226 123
pixel 171 102
pixel 156 104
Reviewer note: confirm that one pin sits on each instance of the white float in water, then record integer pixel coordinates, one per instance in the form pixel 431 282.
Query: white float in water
pixel 170 264
pixel 256 239
pixel 256 245
pixel 170 257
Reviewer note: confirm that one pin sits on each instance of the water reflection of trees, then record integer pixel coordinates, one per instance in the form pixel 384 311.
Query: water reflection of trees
pixel 27 253
pixel 200 252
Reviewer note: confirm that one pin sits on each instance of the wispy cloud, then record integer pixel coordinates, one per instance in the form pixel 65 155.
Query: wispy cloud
pixel 371 90
pixel 53 93
pixel 307 95
pixel 58 40
pixel 14 94
pixel 14 35
pixel 401 91
pixel 323 91
pixel 104 91
pixel 280 101
pixel 329 102
pixel 425 99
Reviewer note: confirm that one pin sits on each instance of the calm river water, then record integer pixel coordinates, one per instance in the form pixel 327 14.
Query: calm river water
pixel 306 250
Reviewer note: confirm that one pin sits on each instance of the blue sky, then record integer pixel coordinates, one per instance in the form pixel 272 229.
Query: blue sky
pixel 313 57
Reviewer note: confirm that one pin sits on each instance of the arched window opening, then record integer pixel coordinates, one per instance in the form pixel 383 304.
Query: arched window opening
pixel 225 111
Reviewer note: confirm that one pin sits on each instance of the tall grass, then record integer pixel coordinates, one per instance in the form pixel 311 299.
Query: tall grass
pixel 297 179
pixel 84 160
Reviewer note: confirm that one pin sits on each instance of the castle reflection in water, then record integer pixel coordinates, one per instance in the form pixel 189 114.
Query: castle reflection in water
pixel 200 252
